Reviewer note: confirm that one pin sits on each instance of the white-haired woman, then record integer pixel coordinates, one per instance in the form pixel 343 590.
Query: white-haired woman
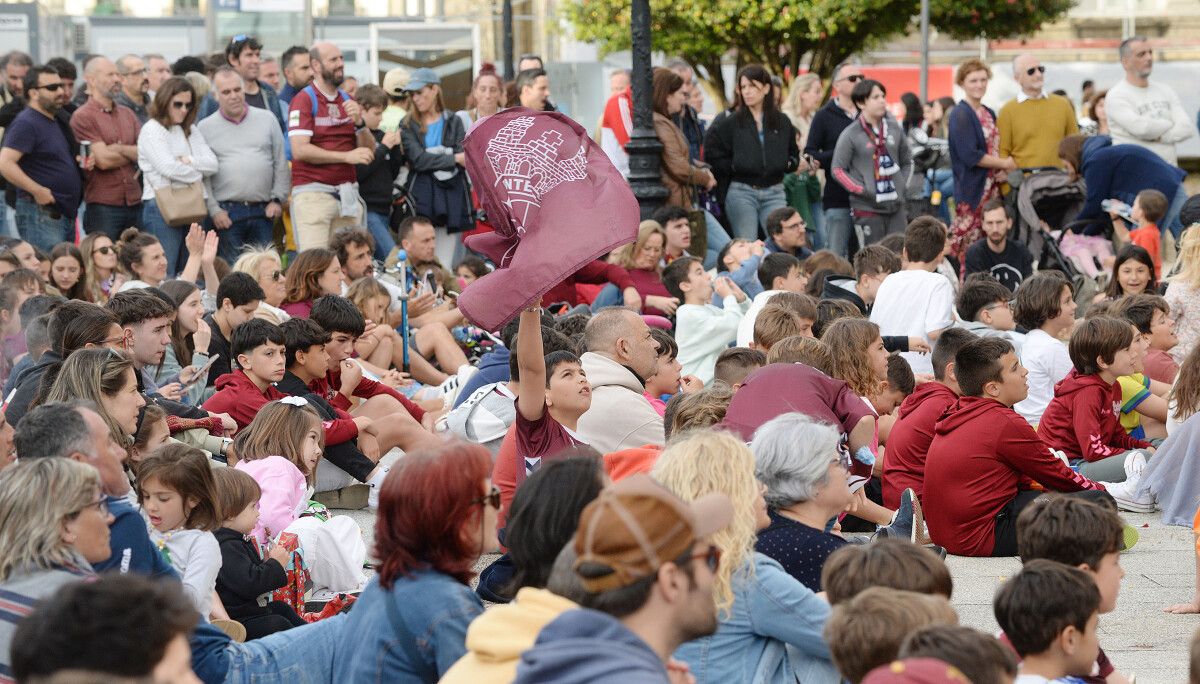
pixel 798 461
pixel 53 525
pixel 265 265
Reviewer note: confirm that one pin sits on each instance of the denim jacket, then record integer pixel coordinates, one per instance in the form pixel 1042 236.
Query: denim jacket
pixel 773 633
pixel 436 610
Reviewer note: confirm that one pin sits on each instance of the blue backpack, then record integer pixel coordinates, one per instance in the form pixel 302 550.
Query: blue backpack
pixel 312 97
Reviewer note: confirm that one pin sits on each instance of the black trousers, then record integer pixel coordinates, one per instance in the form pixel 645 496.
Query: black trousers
pixel 280 616
pixel 1006 518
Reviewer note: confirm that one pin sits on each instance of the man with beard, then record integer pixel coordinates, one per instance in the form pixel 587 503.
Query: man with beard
pixel 38 158
pixel 112 190
pixel 297 72
pixel 135 86
pixel 1008 261
pixel 244 55
pixel 1144 112
pixel 328 138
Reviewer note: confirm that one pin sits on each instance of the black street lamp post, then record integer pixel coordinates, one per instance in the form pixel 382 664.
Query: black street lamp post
pixel 643 148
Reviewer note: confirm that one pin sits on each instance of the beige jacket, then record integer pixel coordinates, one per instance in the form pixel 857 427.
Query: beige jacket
pixel 620 416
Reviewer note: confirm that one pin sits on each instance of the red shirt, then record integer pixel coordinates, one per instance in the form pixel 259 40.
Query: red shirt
pixel 540 439
pixel 908 443
pixel 1148 238
pixel 1161 367
pixel 648 282
pixel 118 125
pixel 1082 419
pixel 365 390
pixel 331 129
pixel 596 272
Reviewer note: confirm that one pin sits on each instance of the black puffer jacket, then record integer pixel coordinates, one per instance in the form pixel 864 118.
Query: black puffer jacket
pixel 733 149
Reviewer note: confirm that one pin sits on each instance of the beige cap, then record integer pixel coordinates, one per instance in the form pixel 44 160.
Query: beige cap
pixel 395 81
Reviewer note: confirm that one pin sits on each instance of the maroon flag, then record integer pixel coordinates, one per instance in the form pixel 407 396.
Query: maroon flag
pixel 555 200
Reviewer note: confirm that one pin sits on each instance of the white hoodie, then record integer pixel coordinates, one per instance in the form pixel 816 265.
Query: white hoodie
pixel 620 417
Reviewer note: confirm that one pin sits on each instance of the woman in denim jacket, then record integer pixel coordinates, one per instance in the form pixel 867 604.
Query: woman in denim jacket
pixel 437 515
pixel 770 624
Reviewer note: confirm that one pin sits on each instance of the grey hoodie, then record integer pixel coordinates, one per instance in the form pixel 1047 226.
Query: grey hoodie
pixel 588 646
pixel 854 166
pixel 620 416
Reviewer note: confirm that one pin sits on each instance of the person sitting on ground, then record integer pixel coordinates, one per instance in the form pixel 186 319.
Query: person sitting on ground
pixel 983 456
pixel 1008 261
pixel 984 310
pixel 778 273
pixel 1081 421
pixel 122 627
pixel 740 259
pixel 917 301
pixel 735 363
pixel 872 265
pixel 703 330
pixel 1151 315
pixel 257 347
pixel 641 261
pixel 910 436
pixel 787 233
pixel 544 517
pixel 1132 273
pixel 777 321
pixel 620 354
pixel 800 349
pixel 1044 306
pixel 889 563
pixel 313 273
pixel 239 297
pixel 1085 535
pixel 648 566
pixel 977 655
pixel 797 460
pixel 668 381
pixel 866 631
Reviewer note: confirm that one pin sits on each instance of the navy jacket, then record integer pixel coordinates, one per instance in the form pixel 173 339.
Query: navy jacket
pixel 827 126
pixel 1121 172
pixel 565 652
pixel 967 147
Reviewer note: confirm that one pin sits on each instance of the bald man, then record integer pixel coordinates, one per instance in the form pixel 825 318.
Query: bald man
pixel 1032 125
pixel 111 190
pixel 621 354
pixel 328 138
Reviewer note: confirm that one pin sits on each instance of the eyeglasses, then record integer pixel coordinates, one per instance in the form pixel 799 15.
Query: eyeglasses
pixel 100 505
pixel 1038 69
pixel 52 87
pixel 492 498
pixel 112 340
pixel 181 105
pixel 711 558
pixel 998 305
pixel 105 250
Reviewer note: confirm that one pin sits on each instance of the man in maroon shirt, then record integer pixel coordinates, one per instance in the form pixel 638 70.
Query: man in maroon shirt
pixel 328 138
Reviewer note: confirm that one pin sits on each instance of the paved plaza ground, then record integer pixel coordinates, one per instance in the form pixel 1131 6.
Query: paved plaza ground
pixel 1139 637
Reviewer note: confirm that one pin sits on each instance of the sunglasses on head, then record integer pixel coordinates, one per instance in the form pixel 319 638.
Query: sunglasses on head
pixel 1038 69
pixel 711 558
pixel 492 498
pixel 181 105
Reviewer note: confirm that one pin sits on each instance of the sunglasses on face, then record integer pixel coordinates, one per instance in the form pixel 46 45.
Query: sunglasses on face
pixel 105 250
pixel 711 558
pixel 52 87
pixel 492 498
pixel 181 105
pixel 1037 69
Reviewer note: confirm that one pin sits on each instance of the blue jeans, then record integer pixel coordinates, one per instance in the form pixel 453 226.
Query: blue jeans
pixel 380 228
pixel 610 295
pixel 301 655
pixel 250 227
pixel 1171 221
pixel 717 239
pixel 943 180
pixel 170 236
pixel 36 227
pixel 817 238
pixel 111 220
pixel 748 207
pixel 837 231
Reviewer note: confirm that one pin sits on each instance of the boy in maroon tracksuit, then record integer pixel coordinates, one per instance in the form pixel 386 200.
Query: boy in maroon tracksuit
pixel 985 456
pixel 908 442
pixel 1081 420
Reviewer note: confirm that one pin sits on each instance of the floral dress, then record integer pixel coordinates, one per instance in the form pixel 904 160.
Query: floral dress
pixel 967 226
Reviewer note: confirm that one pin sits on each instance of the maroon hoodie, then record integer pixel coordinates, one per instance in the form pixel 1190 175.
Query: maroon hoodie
pixel 1081 420
pixel 793 387
pixel 904 459
pixel 982 454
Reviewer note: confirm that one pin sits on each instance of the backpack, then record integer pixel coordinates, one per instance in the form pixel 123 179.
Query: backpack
pixel 311 90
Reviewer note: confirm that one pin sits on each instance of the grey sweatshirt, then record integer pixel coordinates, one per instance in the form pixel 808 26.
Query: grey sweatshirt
pixel 251 162
pixel 854 166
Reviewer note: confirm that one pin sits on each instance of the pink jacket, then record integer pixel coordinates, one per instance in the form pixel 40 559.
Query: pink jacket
pixel 284 494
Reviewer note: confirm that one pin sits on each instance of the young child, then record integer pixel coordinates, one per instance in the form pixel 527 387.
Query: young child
pixel 830 310
pixel 246 579
pixel 1151 315
pixel 372 300
pixel 735 363
pixel 779 272
pixel 983 306
pixel 152 433
pixel 740 260
pixel 1085 535
pixel 1081 421
pixel 1045 306
pixel 977 655
pixel 898 386
pixel 917 301
pixel 667 381
pixel 866 631
pixel 983 456
pixel 1149 207
pixel 375 179
pixel 178 499
pixel 1049 612
pixel 910 436
pixel 703 330
pixel 800 349
pixel 775 323
pixel 888 563
pixel 872 265
pixel 238 298
pixel 470 269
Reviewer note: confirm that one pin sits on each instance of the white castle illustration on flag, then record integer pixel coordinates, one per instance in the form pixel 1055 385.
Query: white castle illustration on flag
pixel 528 169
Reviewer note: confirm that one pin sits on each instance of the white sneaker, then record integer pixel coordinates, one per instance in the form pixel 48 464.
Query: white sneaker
pixel 1135 463
pixel 376 483
pixel 1128 499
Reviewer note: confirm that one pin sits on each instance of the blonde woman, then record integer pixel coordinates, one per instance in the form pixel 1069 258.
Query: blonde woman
pixel 53 525
pixel 771 624
pixel 267 268
pixel 1183 294
pixel 102 275
pixel 643 261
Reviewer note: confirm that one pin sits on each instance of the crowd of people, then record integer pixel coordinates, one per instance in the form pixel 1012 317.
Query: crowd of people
pixel 736 448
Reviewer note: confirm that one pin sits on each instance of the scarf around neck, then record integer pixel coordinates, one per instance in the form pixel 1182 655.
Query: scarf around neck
pixel 884 166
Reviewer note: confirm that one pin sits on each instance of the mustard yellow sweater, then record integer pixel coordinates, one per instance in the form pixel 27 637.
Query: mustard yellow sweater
pixel 1031 130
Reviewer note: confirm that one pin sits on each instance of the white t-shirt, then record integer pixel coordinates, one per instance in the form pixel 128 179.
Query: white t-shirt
pixel 1048 363
pixel 914 304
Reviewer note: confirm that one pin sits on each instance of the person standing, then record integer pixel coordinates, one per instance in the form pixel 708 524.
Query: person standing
pixel 534 62
pixel 244 55
pixel 171 151
pixel 533 90
pixel 974 156
pixel 752 149
pixel 112 189
pixel 328 138
pixel 271 74
pixel 872 161
pixel 158 70
pixel 1032 124
pixel 135 86
pixel 803 188
pixel 38 158
pixel 297 72
pixel 247 192
pixel 1144 113
pixel 395 85
pixel 827 124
